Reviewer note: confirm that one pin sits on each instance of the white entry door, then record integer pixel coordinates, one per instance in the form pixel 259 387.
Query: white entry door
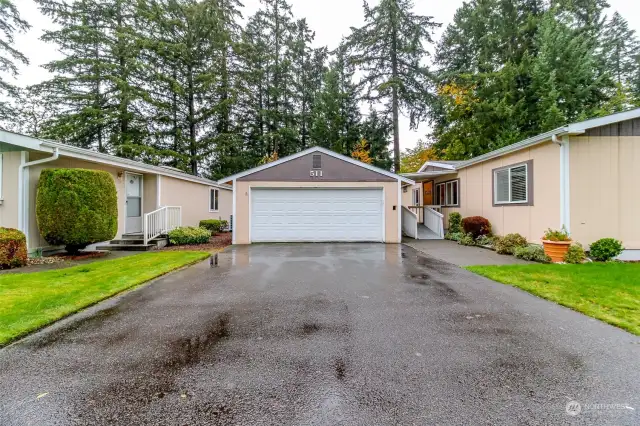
pixel 280 215
pixel 133 208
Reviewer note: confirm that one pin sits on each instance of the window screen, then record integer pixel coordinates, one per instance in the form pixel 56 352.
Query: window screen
pixel 317 161
pixel 511 185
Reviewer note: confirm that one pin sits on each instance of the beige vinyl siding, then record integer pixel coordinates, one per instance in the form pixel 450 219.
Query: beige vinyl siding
pixel 390 200
pixel 150 193
pixel 9 207
pixel 476 193
pixel 194 199
pixel 605 188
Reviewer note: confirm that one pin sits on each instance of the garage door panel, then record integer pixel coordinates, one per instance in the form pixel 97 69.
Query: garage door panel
pixel 316 215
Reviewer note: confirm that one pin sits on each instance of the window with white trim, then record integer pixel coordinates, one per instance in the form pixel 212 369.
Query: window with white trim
pixel 448 193
pixel 511 185
pixel 416 197
pixel 214 199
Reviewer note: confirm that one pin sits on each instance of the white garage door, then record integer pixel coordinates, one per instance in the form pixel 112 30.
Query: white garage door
pixel 316 215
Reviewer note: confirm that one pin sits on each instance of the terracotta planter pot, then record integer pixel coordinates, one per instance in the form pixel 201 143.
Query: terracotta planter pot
pixel 556 249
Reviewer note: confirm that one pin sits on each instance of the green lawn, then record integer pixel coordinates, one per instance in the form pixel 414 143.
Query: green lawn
pixel 607 291
pixel 32 300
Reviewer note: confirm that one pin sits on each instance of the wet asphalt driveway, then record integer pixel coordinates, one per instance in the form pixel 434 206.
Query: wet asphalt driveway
pixel 322 334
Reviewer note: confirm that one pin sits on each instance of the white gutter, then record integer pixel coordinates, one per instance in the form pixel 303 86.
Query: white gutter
pixel 565 181
pixel 23 190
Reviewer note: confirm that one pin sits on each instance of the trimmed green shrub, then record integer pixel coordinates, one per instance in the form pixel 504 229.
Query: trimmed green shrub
pixel 467 240
pixel 575 254
pixel 453 236
pixel 508 243
pixel 476 226
pixel 13 248
pixel 484 240
pixel 455 222
pixel 76 207
pixel 214 225
pixel 532 252
pixel 189 235
pixel 605 249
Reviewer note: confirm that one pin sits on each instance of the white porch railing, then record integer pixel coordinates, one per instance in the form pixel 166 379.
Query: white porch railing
pixel 161 221
pixel 434 221
pixel 409 223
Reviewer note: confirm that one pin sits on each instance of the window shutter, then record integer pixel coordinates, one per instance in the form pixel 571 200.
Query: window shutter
pixel 519 184
pixel 502 186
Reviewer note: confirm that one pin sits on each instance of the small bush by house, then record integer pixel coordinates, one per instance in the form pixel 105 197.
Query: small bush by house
pixel 454 236
pixel 467 240
pixel 575 254
pixel 189 235
pixel 485 240
pixel 476 226
pixel 455 222
pixel 214 225
pixel 13 248
pixel 605 249
pixel 76 207
pixel 509 243
pixel 534 253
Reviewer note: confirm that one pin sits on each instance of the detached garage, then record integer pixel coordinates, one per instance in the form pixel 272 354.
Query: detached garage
pixel 314 196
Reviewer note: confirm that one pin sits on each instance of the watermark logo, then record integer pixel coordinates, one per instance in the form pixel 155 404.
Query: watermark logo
pixel 573 408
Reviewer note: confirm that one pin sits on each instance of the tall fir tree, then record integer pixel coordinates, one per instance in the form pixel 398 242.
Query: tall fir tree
pixel 94 85
pixel 336 111
pixel 10 24
pixel 390 51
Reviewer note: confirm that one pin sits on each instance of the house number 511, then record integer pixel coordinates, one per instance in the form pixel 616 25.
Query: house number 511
pixel 315 173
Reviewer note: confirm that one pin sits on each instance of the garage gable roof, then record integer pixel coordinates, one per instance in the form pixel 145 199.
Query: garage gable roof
pixel 324 151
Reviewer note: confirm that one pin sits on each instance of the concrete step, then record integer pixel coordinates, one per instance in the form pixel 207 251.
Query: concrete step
pixel 128 247
pixel 138 241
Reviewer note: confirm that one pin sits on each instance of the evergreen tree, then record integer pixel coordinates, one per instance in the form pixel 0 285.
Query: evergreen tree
pixel 390 51
pixel 620 48
pixel 10 23
pixel 94 84
pixel 376 130
pixel 336 111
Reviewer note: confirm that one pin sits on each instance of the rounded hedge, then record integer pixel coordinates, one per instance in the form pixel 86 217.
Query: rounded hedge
pixel 76 207
pixel 605 249
pixel 13 248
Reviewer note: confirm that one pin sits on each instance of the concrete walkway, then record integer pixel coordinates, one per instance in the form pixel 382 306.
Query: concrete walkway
pixel 452 252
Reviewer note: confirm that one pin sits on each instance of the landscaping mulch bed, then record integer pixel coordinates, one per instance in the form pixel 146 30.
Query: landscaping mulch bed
pixel 83 255
pixel 215 244
pixel 61 257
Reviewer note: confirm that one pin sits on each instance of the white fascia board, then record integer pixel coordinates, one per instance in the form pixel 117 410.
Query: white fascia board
pixel 441 165
pixel 309 151
pixel 97 157
pixel 22 141
pixel 544 137
pixel 577 128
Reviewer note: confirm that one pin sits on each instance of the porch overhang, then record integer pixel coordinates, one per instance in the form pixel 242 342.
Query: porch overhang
pixel 426 176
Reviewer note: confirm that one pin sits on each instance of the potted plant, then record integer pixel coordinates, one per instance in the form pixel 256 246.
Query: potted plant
pixel 556 244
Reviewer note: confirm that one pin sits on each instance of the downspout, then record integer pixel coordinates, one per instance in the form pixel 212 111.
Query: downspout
pixel 565 181
pixel 23 192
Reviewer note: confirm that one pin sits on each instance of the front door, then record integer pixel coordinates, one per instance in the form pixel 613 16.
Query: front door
pixel 133 207
pixel 427 195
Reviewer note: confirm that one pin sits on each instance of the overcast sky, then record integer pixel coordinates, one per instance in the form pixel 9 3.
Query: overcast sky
pixel 330 19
